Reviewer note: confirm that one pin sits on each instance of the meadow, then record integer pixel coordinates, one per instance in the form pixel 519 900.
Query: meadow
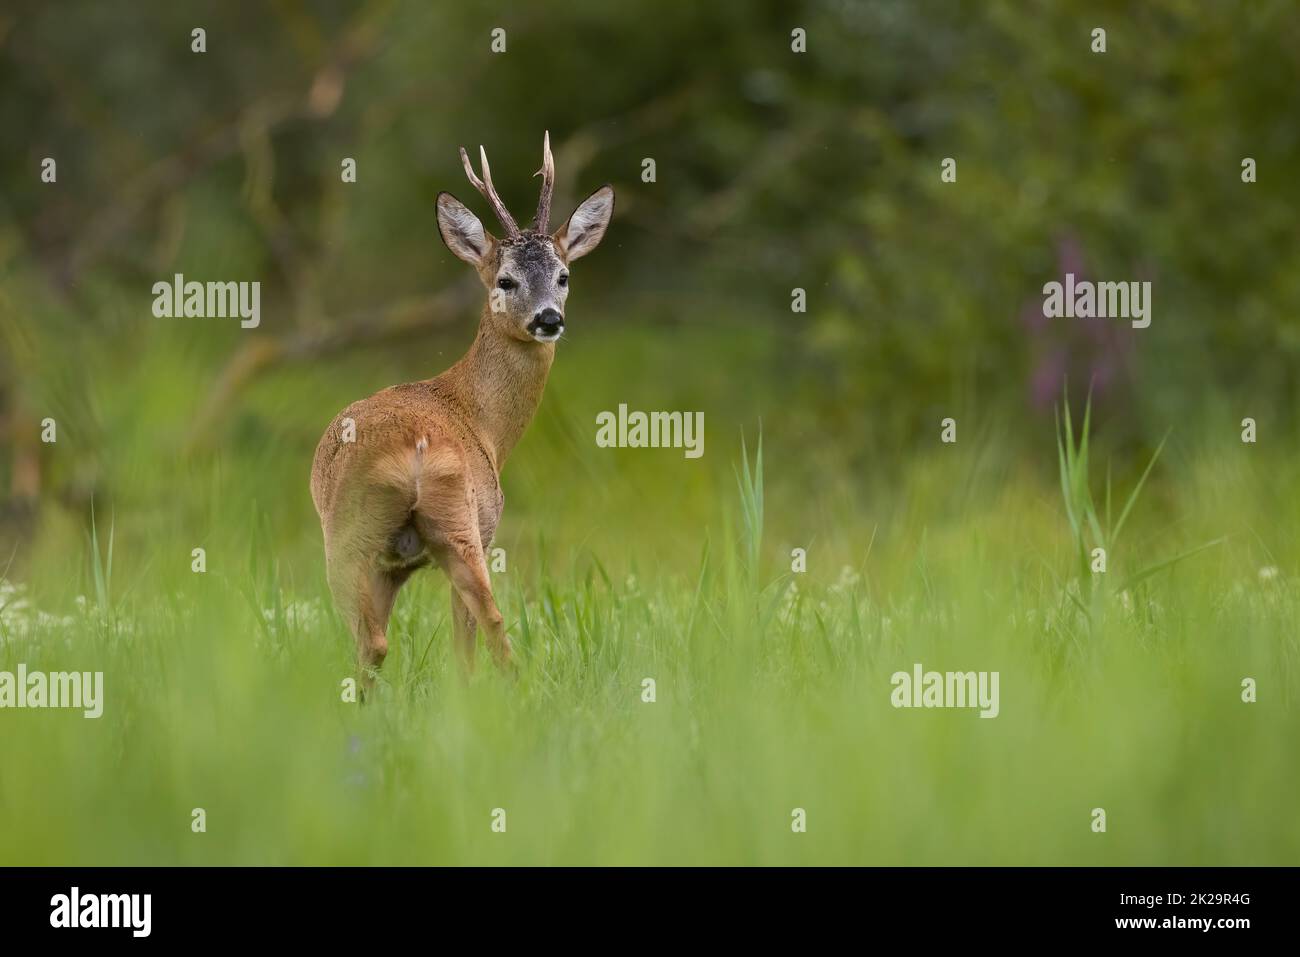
pixel 836 225
pixel 1120 691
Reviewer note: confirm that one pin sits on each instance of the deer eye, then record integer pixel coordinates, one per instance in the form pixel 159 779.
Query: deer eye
pixel 505 282
pixel 563 280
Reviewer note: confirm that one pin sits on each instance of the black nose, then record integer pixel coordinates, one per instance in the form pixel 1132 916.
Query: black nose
pixel 548 322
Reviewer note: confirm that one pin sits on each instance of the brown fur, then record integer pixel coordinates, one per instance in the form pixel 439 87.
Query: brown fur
pixel 468 419
pixel 420 484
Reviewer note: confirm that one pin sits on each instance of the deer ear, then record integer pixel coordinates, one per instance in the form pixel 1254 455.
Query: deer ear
pixel 462 231
pixel 586 227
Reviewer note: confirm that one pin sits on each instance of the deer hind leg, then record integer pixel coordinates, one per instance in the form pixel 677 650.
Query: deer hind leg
pixel 469 576
pixel 464 631
pixel 449 522
pixel 364 597
pixel 362 531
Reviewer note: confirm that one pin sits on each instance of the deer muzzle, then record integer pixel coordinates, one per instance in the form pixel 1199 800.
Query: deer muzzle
pixel 547 325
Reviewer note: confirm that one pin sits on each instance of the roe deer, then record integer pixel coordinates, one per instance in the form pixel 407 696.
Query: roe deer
pixel 411 475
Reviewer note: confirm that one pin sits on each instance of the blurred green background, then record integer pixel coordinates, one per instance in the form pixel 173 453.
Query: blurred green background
pixel 775 170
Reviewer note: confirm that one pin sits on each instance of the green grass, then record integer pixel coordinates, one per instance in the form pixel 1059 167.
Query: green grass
pixel 772 688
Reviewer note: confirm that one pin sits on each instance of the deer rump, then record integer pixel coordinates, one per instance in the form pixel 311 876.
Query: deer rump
pixel 406 489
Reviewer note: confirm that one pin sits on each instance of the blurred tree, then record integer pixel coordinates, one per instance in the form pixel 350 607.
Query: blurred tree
pixel 775 169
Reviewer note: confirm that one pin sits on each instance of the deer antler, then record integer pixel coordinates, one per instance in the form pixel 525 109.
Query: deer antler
pixel 485 187
pixel 547 173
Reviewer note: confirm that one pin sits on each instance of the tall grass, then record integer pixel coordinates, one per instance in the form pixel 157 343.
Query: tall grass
pixel 771 688
pixel 1095 533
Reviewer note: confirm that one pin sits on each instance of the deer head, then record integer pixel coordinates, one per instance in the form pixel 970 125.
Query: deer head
pixel 526 272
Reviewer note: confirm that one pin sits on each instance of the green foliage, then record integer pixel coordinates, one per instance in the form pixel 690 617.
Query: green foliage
pixel 1090 530
pixel 101 566
pixel 223 692
pixel 775 170
pixel 750 486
